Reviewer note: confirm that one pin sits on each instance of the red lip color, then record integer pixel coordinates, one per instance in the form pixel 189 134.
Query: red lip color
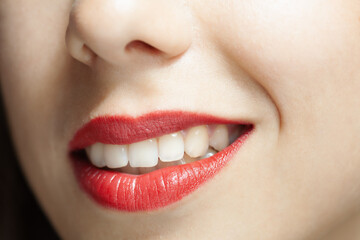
pixel 156 189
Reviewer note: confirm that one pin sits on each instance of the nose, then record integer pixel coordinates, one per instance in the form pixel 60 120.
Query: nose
pixel 122 31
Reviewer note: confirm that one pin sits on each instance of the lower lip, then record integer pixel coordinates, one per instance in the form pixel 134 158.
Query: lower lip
pixel 154 190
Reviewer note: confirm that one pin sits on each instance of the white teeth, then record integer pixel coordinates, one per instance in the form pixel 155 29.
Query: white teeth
pixel 171 147
pixel 196 141
pixel 220 138
pixel 95 153
pixel 143 154
pixel 115 156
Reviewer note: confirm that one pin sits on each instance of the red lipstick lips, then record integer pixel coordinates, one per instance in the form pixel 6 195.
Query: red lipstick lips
pixel 156 189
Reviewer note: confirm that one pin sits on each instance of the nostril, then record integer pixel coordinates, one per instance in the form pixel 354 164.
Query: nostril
pixel 141 46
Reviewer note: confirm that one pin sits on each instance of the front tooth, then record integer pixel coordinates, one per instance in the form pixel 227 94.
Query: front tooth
pixel 115 156
pixel 96 154
pixel 196 141
pixel 220 138
pixel 143 154
pixel 171 147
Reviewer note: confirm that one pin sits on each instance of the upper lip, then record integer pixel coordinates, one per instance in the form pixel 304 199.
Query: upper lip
pixel 120 130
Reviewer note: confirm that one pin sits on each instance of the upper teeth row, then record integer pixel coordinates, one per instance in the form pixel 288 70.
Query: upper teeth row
pixel 171 147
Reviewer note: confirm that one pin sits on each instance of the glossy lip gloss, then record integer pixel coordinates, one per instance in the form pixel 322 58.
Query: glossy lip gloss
pixel 154 190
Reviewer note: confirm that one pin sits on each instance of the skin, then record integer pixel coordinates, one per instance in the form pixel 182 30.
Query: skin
pixel 290 67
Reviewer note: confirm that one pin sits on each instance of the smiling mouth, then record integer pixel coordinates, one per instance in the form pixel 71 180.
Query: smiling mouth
pixel 149 162
pixel 178 148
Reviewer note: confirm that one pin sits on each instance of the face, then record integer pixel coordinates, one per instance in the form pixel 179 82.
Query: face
pixel 290 69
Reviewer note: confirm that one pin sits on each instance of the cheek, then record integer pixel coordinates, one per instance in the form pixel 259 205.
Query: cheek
pixel 31 64
pixel 32 44
pixel 33 67
pixel 306 55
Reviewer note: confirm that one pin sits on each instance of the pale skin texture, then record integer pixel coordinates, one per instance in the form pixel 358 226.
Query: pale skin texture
pixel 290 67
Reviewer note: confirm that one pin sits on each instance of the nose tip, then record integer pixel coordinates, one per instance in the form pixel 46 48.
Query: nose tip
pixel 119 31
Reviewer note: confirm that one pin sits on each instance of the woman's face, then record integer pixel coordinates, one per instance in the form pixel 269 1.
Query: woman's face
pixel 290 68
